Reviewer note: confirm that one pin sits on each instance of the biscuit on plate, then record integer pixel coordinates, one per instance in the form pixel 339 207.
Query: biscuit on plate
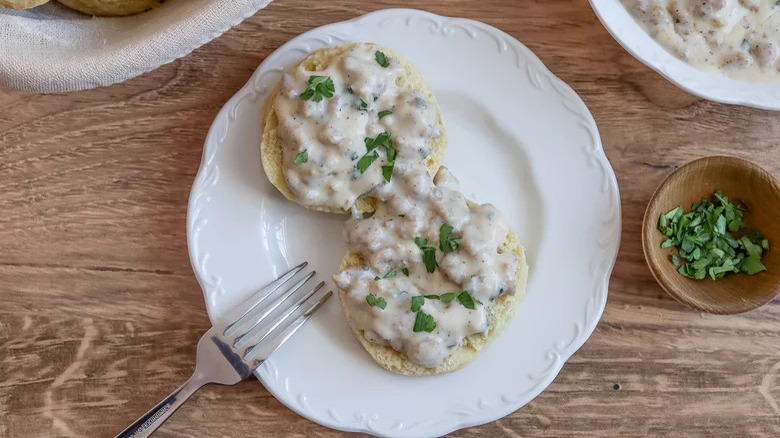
pixel 360 282
pixel 273 149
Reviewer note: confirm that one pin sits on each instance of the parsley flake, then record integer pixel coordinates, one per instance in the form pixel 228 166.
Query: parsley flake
pixel 365 161
pixel 417 303
pixel 424 322
pixel 447 243
pixel 429 258
pixel 384 113
pixel 382 139
pixel 387 171
pixel 428 254
pixel 319 87
pixel 449 296
pixel 391 153
pixel 385 142
pixel 375 301
pixel 381 59
pixel 466 300
pixel 302 157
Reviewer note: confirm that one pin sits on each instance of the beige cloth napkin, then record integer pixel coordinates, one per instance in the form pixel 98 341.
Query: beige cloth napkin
pixel 54 49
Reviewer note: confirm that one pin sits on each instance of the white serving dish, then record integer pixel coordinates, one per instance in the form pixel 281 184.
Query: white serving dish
pixel 638 43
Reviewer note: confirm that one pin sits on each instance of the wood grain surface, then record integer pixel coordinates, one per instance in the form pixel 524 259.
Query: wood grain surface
pixel 100 312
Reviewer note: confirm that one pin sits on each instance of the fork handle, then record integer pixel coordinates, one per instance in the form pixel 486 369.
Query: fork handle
pixel 150 421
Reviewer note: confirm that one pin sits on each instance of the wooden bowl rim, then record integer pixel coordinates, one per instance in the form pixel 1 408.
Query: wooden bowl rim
pixel 655 270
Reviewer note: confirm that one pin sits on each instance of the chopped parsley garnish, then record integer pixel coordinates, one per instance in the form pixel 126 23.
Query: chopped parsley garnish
pixel 387 171
pixel 428 254
pixel 391 153
pixel 429 258
pixel 449 296
pixel 363 105
pixel 384 113
pixel 424 322
pixel 444 298
pixel 381 59
pixel 302 157
pixel 463 298
pixel 375 301
pixel 390 274
pixel 319 87
pixel 447 243
pixel 417 303
pixel 365 161
pixel 466 300
pixel 705 243
pixel 405 271
pixel 384 141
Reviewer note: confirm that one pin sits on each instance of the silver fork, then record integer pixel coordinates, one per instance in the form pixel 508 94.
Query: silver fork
pixel 230 351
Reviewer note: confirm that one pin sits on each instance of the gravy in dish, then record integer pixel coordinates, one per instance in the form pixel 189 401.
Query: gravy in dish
pixel 738 38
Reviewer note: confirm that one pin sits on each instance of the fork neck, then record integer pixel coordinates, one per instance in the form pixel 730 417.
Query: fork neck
pixel 150 421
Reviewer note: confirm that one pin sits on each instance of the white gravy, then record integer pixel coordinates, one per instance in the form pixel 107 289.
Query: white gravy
pixel 323 143
pixel 738 38
pixel 413 206
pixel 332 131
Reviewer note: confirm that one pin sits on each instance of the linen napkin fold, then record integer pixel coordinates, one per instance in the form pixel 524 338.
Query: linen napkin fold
pixel 52 49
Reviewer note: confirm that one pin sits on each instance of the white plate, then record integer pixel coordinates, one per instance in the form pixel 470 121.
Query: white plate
pixel 519 138
pixel 638 43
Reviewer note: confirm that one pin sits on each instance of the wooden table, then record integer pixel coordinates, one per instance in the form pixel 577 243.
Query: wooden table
pixel 100 312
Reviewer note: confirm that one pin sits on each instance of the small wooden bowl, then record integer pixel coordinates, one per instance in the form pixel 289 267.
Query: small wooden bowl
pixel 740 180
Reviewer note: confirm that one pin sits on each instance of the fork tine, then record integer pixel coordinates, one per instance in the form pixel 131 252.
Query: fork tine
pixel 276 341
pixel 252 302
pixel 253 316
pixel 260 327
